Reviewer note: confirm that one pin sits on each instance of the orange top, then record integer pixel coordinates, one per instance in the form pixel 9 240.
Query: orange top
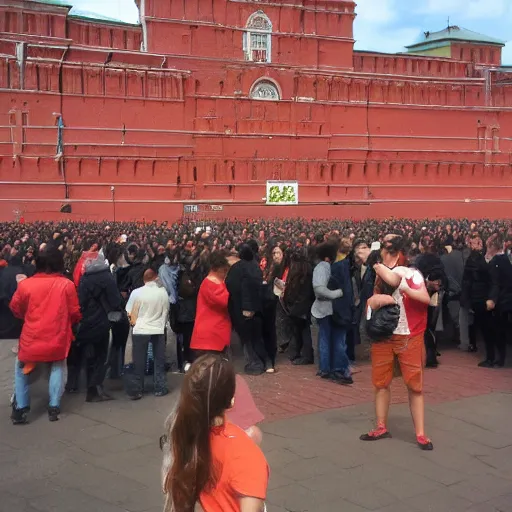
pixel 243 470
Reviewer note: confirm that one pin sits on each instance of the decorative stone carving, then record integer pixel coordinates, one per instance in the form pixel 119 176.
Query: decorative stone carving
pixel 265 90
pixel 259 21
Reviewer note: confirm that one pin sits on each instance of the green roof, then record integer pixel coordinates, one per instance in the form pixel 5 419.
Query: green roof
pixel 94 16
pixel 61 3
pixel 83 14
pixel 450 35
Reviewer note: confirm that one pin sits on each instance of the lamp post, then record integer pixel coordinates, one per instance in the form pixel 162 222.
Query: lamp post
pixel 113 192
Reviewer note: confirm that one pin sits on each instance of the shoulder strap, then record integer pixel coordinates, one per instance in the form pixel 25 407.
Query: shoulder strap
pixel 100 299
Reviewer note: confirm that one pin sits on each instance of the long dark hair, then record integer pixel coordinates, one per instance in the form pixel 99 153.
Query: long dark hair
pixel 300 272
pixel 274 270
pixel 207 392
pixel 50 261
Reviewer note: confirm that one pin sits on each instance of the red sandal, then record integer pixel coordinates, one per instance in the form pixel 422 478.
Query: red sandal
pixel 381 432
pixel 424 443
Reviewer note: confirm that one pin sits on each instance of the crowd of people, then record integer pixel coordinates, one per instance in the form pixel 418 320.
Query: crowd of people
pixel 105 297
pixel 266 280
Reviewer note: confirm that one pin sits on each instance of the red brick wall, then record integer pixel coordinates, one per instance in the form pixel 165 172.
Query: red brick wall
pixel 416 135
pixel 480 54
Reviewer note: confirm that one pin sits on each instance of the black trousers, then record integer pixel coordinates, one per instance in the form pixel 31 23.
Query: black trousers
pixel 92 355
pixel 430 337
pixel 351 342
pixel 250 332
pixel 183 351
pixel 120 331
pixel 269 332
pixel 485 323
pixel 503 335
pixel 301 343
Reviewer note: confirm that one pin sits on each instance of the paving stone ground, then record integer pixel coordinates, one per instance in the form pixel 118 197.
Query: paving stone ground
pixel 105 457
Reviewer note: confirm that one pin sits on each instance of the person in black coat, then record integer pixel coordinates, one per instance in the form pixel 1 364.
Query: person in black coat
pixel 245 283
pixel 134 277
pixel 189 282
pixel 98 295
pixel 500 301
pixel 430 265
pixel 364 284
pixel 476 287
pixel 10 327
pixel 297 301
pixel 268 310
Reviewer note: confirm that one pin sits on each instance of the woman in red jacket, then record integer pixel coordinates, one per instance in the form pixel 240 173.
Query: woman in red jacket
pixel 48 305
pixel 212 329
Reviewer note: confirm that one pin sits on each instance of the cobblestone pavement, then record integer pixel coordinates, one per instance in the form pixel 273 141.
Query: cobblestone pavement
pixel 294 391
pixel 105 457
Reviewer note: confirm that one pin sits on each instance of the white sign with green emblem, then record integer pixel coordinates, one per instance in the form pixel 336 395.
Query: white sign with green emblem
pixel 282 192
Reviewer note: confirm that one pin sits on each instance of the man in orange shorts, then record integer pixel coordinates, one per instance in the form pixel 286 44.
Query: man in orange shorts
pixel 411 294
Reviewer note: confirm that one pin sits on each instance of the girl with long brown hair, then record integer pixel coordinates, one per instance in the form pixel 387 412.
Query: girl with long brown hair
pixel 297 300
pixel 214 463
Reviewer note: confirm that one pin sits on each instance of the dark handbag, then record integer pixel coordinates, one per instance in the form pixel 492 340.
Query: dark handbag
pixel 383 322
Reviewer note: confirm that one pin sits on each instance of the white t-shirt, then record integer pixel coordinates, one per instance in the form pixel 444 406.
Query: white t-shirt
pixel 153 308
pixel 415 280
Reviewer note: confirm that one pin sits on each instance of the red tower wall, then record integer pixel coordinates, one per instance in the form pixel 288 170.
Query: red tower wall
pixel 382 135
pixel 310 33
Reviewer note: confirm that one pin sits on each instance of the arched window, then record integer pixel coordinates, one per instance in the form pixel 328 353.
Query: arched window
pixel 265 90
pixel 258 38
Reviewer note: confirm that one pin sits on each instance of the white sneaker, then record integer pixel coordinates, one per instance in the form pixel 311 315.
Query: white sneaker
pixel 186 368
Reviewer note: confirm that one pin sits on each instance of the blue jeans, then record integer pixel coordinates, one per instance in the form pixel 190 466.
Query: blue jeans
pixel 134 381
pixel 55 386
pixel 332 347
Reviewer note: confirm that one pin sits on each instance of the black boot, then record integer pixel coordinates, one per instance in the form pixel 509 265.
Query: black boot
pixel 19 416
pixel 96 394
pixel 53 413
pixel 72 382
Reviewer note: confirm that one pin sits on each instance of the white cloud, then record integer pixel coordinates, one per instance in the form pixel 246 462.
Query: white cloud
pixel 506 58
pixel 120 9
pixel 376 12
pixel 375 29
pixel 441 6
pixel 466 9
pixel 386 40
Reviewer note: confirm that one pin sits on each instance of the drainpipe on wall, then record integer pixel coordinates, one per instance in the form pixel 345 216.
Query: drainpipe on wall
pixel 488 87
pixel 21 58
pixel 141 4
pixel 59 117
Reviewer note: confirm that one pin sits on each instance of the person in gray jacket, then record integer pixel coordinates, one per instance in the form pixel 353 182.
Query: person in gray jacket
pixel 453 263
pixel 332 348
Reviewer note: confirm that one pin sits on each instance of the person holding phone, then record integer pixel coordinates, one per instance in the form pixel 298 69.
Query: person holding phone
pixel 399 284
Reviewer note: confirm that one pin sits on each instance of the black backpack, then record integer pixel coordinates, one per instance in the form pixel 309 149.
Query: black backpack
pixel 383 322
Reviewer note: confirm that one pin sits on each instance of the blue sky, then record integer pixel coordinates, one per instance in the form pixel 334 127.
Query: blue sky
pixel 385 25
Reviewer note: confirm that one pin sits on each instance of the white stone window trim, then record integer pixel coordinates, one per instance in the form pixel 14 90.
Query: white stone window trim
pixel 252 29
pixel 271 84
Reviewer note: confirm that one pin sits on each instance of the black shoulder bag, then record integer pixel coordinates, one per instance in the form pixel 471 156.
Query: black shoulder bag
pixel 383 323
